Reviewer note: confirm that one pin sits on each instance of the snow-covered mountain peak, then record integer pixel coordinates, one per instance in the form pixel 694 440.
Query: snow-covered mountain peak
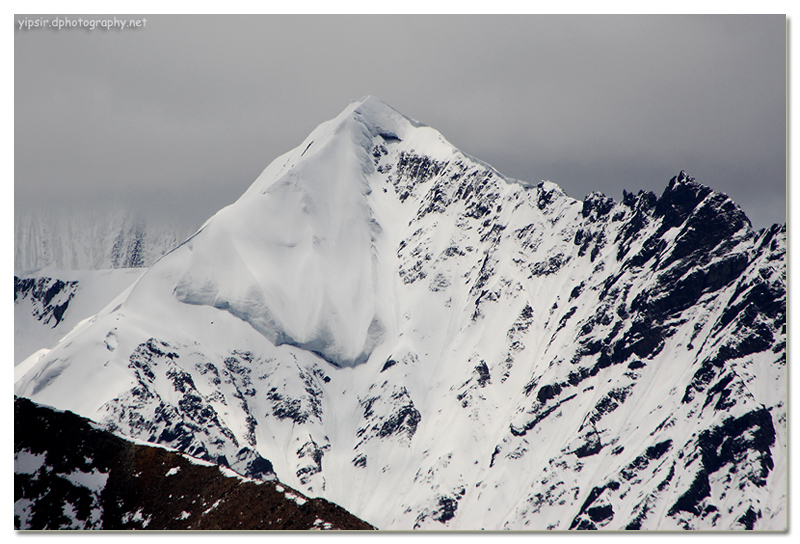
pixel 353 134
pixel 382 119
pixel 386 322
pixel 312 240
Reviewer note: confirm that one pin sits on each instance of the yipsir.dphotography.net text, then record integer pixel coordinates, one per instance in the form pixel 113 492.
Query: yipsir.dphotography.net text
pixel 87 23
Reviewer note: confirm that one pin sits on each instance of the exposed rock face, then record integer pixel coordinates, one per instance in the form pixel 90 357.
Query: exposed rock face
pixel 49 297
pixel 69 474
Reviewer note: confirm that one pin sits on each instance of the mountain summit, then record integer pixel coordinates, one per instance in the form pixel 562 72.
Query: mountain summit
pixel 385 322
pixel 302 255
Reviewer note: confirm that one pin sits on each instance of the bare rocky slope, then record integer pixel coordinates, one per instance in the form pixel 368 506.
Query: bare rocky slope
pixel 69 474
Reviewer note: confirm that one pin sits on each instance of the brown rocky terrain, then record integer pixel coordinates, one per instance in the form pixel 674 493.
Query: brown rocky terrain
pixel 69 474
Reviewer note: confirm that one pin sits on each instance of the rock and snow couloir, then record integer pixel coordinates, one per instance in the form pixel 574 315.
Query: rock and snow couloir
pixel 388 323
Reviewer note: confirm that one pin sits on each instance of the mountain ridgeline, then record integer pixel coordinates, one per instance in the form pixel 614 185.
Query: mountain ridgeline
pixel 385 322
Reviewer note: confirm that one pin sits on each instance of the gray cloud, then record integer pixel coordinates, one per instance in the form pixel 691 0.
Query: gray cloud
pixel 181 116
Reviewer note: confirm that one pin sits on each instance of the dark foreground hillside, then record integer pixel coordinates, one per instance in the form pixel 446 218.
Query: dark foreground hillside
pixel 68 474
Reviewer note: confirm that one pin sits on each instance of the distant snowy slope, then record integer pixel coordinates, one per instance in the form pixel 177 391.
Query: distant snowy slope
pixel 394 326
pixel 100 240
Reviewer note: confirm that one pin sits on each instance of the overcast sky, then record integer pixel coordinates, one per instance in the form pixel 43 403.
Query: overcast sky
pixel 180 116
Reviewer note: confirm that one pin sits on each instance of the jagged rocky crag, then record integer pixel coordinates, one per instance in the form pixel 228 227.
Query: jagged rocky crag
pixel 49 297
pixel 69 474
pixel 395 326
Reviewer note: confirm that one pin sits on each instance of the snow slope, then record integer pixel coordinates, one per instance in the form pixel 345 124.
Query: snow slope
pixel 394 326
pixel 48 303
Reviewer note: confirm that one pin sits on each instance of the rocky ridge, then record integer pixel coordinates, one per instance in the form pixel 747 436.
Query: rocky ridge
pixel 69 474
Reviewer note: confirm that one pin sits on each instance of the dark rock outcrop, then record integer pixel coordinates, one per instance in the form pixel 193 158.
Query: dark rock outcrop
pixel 69 474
